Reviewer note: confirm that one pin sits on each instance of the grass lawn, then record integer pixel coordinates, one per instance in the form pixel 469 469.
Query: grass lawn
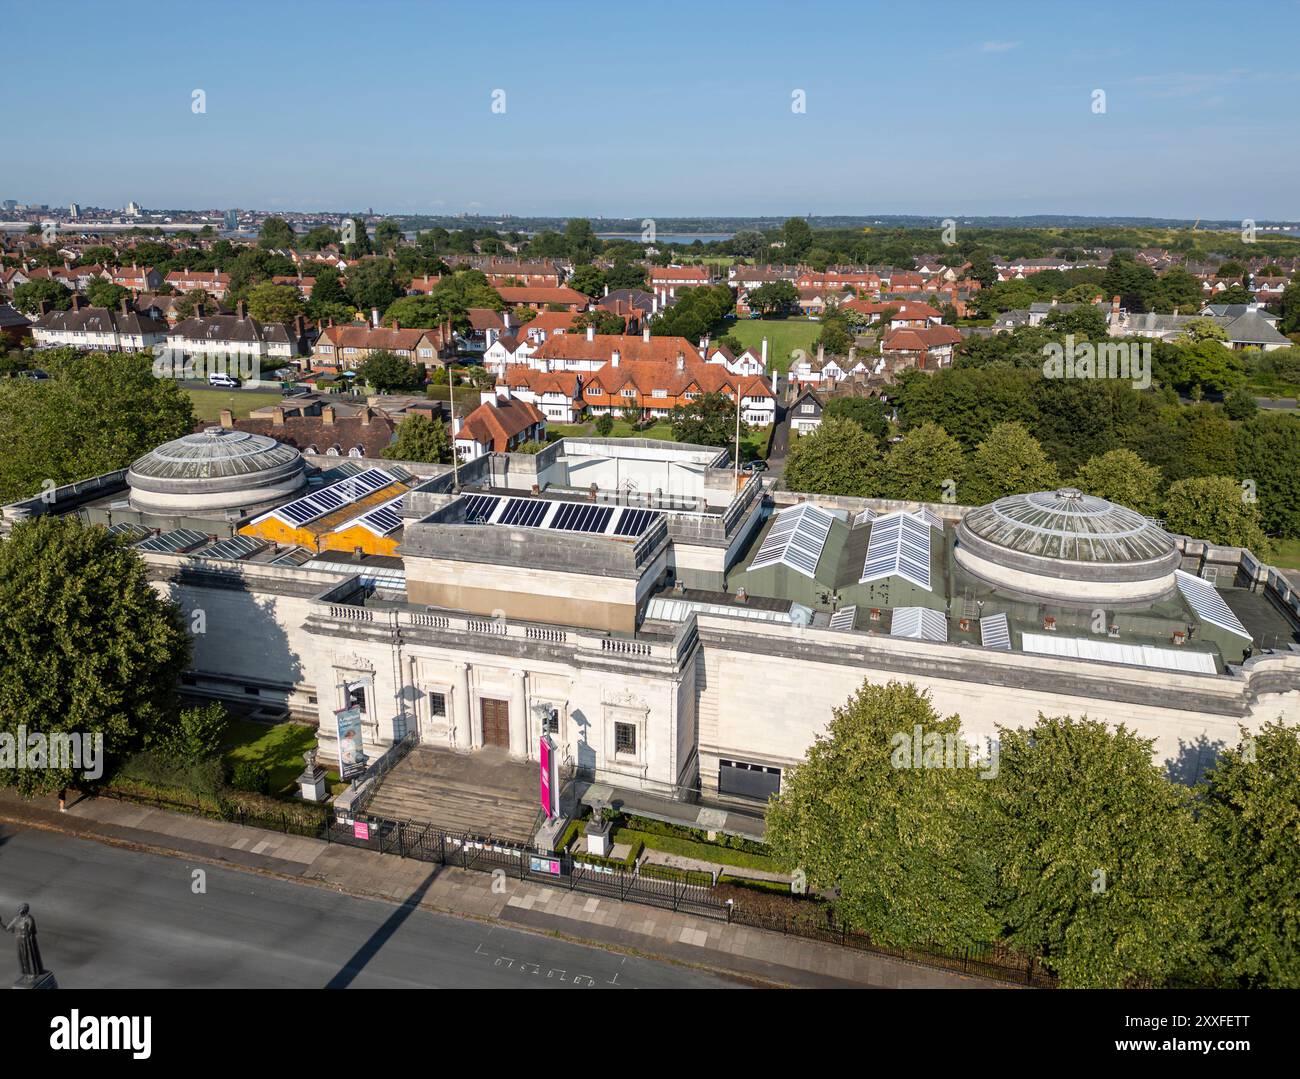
pixel 1286 554
pixel 783 337
pixel 705 852
pixel 279 748
pixel 622 429
pixel 209 403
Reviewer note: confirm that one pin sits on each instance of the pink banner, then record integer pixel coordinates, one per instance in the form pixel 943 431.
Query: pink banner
pixel 545 753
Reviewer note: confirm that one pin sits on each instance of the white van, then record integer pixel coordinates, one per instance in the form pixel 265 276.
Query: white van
pixel 218 378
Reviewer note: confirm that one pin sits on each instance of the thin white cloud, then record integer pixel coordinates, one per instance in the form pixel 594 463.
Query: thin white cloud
pixel 999 46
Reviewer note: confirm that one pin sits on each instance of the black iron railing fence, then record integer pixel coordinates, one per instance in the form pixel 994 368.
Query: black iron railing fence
pixel 691 894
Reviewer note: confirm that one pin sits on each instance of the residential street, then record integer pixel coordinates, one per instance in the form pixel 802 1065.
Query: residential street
pixel 114 918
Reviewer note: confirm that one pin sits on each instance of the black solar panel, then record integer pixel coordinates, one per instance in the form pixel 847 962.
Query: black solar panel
pixel 582 517
pixel 634 522
pixel 478 508
pixel 526 512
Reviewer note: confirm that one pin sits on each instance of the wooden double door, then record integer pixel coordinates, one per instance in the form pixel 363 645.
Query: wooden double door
pixel 496 722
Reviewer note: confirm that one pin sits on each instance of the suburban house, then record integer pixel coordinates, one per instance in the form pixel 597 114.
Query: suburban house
pixel 542 297
pixel 100 328
pixel 749 362
pixel 673 277
pixel 905 312
pixel 500 424
pixel 513 347
pixel 655 387
pixel 215 283
pixel 557 394
pixel 137 278
pixel 343 348
pixel 221 336
pixel 545 323
pixel 590 351
pixel 302 284
pixel 806 412
pixel 541 273
pixel 925 347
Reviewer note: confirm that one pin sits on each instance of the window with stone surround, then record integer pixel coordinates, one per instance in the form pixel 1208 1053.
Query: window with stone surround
pixel 625 738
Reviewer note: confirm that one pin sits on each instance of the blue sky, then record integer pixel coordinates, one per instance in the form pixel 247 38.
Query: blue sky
pixel 665 108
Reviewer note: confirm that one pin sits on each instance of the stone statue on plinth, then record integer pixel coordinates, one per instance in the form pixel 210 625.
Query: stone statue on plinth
pixel 34 975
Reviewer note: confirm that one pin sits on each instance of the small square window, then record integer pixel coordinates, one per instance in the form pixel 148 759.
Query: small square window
pixel 437 704
pixel 357 698
pixel 625 738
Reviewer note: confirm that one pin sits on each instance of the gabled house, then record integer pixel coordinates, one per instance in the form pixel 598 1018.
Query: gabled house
pixel 343 348
pixel 98 328
pixel 926 347
pixel 500 424
pixel 137 278
pixel 214 283
pixel 238 335
pixel 806 412
pixel 541 298
pixel 655 387
pixel 557 394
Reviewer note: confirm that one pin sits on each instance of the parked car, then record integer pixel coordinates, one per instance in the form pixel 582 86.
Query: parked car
pixel 754 466
pixel 217 378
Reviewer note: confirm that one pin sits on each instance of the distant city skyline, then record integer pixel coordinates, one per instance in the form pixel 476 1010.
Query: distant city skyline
pixel 684 111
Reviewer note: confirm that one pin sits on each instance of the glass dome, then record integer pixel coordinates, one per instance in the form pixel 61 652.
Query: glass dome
pixel 1069 525
pixel 215 453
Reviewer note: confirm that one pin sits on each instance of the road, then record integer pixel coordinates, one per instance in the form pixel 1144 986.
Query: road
pixel 108 917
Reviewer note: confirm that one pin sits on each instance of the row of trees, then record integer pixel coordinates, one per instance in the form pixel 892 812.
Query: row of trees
pixel 927 464
pixel 1068 845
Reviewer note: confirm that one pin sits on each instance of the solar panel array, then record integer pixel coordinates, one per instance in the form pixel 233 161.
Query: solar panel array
pixel 899 546
pixel 174 542
pixel 335 496
pixel 995 632
pixel 623 521
pixel 921 623
pixel 1205 600
pixel 233 549
pixel 796 539
pixel 383 520
pixel 844 618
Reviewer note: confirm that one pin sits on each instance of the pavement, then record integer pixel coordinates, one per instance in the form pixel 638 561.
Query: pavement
pixel 721 949
pixel 113 918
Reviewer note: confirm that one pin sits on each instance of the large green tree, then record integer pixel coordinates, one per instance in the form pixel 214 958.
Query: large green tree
pixel 1268 454
pixel 421 439
pixel 1009 461
pixel 1122 477
pixel 1096 852
pixel 839 458
pixel 709 420
pixel 1219 509
pixel 97 414
pixel 899 842
pixel 925 466
pixel 1249 809
pixel 389 373
pixel 86 645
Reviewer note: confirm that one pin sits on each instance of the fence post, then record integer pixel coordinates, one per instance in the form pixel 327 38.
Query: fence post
pixel 442 847
pixel 401 841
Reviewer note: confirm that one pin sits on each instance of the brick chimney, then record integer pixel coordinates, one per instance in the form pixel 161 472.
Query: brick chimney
pixel 125 306
pixel 397 325
pixel 43 308
pixel 613 358
pixel 199 312
pixel 227 418
pixel 365 415
pixel 681 360
pixel 277 416
pixel 645 335
pixel 241 310
pixel 327 415
pixel 374 317
pixel 591 333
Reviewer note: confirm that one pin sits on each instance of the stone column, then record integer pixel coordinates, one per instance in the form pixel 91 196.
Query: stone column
pixel 518 715
pixel 463 717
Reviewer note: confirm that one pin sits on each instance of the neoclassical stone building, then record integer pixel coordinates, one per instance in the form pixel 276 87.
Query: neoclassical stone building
pixel 674 625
